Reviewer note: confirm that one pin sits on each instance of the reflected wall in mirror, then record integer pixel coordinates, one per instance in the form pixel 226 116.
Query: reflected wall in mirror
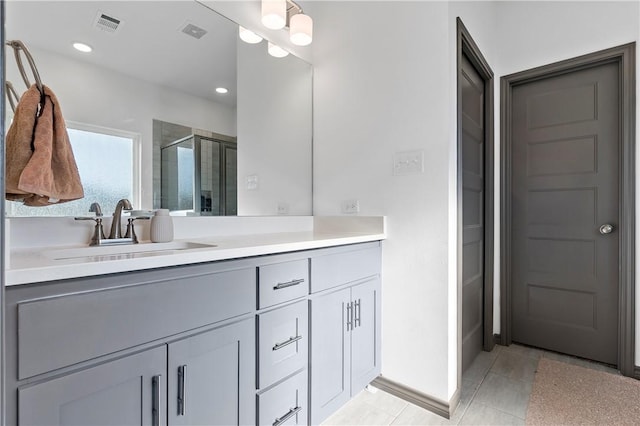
pixel 154 66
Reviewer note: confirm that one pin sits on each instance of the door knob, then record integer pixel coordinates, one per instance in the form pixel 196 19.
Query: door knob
pixel 606 229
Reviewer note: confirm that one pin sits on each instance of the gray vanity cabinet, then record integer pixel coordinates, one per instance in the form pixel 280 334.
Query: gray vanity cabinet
pixel 211 377
pixel 126 391
pixel 345 328
pixel 277 339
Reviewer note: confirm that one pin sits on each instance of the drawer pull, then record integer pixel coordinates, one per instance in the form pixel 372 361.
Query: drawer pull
pixel 288 284
pixel 286 343
pixel 287 416
pixel 182 379
pixel 155 401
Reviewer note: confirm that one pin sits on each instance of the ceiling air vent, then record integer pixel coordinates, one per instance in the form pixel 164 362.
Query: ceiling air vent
pixel 107 23
pixel 193 30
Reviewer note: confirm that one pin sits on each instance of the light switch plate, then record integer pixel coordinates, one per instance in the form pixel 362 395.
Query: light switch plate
pixel 408 162
pixel 252 182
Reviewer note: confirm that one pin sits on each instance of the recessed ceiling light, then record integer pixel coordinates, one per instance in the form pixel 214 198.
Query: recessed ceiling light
pixel 222 90
pixel 85 48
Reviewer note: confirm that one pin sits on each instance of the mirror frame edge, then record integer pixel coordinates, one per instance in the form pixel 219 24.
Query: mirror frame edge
pixel 2 213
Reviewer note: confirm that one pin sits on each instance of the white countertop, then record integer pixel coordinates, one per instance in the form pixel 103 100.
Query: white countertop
pixel 32 265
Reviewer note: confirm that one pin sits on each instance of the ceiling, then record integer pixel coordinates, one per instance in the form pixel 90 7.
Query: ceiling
pixel 148 44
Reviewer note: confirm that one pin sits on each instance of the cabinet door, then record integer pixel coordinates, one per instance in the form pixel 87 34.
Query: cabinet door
pixel 127 391
pixel 330 354
pixel 212 377
pixel 365 336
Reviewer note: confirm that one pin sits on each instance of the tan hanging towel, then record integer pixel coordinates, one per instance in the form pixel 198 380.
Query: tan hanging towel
pixel 50 175
pixel 19 141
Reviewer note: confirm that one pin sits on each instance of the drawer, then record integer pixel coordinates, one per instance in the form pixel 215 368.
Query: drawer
pixel 281 282
pixel 282 342
pixel 60 331
pixel 345 266
pixel 285 403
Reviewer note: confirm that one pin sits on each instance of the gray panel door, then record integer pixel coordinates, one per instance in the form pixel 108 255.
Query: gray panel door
pixel 565 132
pixel 472 87
pixel 212 377
pixel 119 392
pixel 365 352
pixel 330 354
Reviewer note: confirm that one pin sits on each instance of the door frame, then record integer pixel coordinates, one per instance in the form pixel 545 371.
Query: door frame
pixel 624 55
pixel 465 45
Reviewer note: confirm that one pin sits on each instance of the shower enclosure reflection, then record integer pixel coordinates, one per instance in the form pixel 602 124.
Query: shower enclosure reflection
pixel 199 176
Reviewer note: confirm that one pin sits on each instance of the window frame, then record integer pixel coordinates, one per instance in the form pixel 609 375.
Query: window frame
pixel 136 159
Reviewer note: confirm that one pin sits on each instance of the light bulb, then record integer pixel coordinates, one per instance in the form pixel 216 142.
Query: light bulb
pixel 276 51
pixel 248 36
pixel 274 14
pixel 85 48
pixel 301 29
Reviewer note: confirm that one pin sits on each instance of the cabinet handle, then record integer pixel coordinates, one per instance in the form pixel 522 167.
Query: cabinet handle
pixel 349 316
pixel 182 379
pixel 156 384
pixel 287 416
pixel 286 342
pixel 288 284
pixel 358 311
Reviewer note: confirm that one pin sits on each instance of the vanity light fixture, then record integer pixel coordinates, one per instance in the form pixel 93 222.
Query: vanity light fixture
pixel 82 47
pixel 276 51
pixel 300 25
pixel 301 29
pixel 222 90
pixel 248 36
pixel 278 14
pixel 274 14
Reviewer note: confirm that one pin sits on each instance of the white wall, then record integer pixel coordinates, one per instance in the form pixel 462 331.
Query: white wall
pixel 381 86
pixel 92 95
pixel 275 132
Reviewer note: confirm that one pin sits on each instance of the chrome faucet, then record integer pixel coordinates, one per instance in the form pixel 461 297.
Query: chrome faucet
pixel 116 230
pixel 115 236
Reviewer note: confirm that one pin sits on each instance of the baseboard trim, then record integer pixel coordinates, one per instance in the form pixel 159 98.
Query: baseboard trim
pixel 435 405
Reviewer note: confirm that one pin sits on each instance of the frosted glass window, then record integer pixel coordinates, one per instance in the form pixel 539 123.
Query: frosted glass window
pixel 106 166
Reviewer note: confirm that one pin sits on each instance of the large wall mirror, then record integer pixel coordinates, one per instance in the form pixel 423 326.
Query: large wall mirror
pixel 151 78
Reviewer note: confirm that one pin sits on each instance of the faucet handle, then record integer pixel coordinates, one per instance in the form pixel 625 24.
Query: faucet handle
pixel 131 231
pixel 98 232
pixel 86 218
pixel 95 208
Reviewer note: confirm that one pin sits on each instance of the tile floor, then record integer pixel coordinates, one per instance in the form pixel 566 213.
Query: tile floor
pixel 495 391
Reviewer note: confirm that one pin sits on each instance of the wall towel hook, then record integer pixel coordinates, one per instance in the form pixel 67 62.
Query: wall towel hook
pixel 18 46
pixel 12 95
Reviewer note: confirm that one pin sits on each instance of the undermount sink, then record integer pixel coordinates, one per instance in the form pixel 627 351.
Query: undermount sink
pixel 128 251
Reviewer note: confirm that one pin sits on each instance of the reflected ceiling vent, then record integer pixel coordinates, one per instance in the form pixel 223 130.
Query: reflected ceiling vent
pixel 193 30
pixel 107 23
